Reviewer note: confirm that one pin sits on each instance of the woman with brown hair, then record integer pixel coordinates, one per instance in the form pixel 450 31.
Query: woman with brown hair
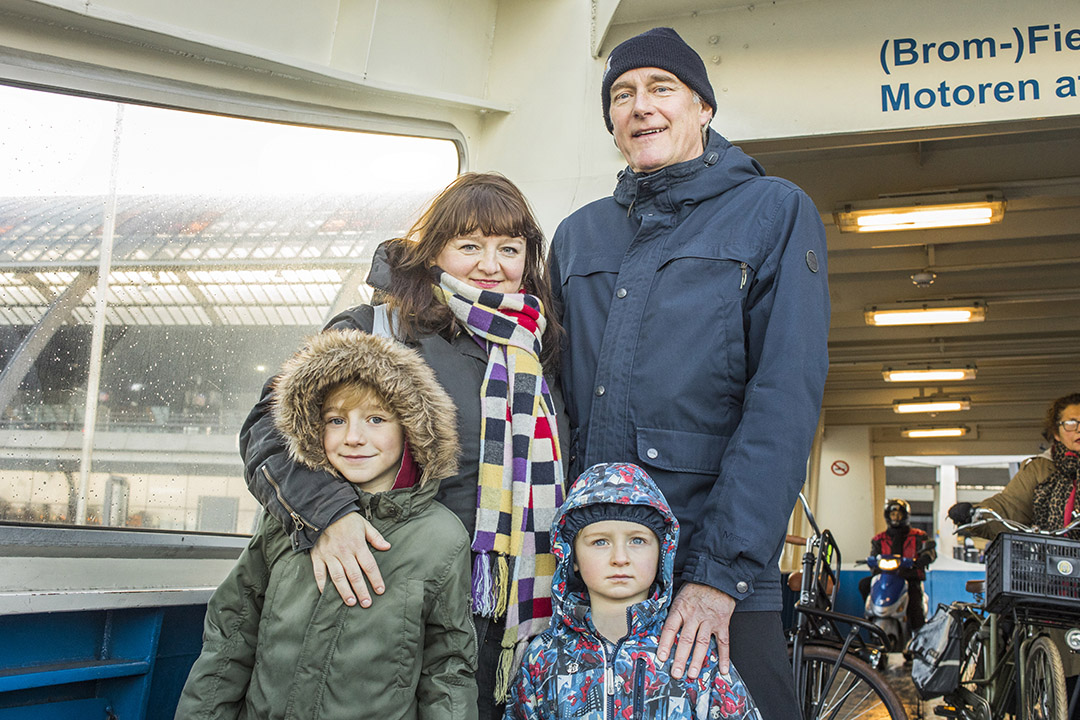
pixel 1044 492
pixel 467 289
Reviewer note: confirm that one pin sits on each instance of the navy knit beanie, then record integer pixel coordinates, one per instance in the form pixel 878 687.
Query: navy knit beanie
pixel 659 48
pixel 580 517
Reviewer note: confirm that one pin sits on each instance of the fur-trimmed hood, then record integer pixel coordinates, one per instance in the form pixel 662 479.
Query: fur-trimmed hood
pixel 401 376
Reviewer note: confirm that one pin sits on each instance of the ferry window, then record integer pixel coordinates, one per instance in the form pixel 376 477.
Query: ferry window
pixel 156 266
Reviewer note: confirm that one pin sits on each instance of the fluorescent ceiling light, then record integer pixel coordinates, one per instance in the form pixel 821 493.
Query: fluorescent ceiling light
pixel 926 314
pixel 931 405
pixel 928 374
pixel 938 432
pixel 920 212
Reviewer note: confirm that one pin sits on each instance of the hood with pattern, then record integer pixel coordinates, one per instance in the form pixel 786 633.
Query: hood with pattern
pixel 621 484
pixel 401 376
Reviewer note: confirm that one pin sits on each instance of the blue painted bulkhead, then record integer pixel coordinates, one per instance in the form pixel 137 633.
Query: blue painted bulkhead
pixel 102 622
pixel 120 663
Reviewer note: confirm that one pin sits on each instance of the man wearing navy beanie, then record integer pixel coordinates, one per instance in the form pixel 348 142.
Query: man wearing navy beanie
pixel 701 256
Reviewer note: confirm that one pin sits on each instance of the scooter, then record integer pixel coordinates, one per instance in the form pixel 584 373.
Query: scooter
pixel 886 605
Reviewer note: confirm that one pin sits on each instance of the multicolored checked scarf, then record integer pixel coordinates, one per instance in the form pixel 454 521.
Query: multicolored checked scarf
pixel 521 475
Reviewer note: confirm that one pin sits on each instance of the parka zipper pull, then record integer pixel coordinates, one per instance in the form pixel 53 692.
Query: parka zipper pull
pixel 298 522
pixel 609 680
pixel 742 283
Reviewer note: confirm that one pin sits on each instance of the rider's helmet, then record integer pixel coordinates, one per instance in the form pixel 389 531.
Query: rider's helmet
pixel 897 519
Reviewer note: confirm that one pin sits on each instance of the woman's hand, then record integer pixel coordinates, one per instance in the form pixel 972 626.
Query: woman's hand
pixel 342 552
pixel 960 513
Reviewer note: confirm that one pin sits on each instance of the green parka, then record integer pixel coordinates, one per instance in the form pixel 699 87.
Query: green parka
pixel 274 647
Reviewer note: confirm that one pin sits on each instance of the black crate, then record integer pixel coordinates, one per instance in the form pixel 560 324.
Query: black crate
pixel 1033 571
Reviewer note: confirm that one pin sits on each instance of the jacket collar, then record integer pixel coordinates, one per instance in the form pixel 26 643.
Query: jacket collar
pixel 397 505
pixel 721 167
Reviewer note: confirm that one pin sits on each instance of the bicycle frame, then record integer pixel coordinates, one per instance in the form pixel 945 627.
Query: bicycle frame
pixel 1004 674
pixel 816 622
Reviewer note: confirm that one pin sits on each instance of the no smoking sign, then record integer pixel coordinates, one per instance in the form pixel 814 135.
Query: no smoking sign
pixel 839 467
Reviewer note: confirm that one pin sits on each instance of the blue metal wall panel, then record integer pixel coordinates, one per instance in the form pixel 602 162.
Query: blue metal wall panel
pixel 125 664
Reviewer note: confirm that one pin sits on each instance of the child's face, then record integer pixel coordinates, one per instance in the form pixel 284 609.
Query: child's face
pixel 617 560
pixel 363 442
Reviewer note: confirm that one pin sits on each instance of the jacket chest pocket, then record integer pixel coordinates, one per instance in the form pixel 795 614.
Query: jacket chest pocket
pixel 583 264
pixel 681 451
pixel 708 269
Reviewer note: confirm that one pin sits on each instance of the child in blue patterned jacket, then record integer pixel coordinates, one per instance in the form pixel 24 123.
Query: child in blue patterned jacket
pixel 615 540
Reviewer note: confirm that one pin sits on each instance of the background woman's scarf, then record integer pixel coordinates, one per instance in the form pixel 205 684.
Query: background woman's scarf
pixel 1056 496
pixel 521 475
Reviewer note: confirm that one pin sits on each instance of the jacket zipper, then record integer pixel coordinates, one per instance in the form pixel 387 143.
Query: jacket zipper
pixel 609 688
pixel 742 283
pixel 639 688
pixel 298 522
pixel 609 671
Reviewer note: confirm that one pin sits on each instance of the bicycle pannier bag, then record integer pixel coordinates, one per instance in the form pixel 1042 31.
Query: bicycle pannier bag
pixel 935 649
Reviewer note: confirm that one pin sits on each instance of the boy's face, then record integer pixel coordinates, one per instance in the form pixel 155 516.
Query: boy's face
pixel 617 560
pixel 363 442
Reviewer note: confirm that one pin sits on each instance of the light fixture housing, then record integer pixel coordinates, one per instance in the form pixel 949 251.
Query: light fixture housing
pixel 928 373
pixel 931 404
pixel 920 212
pixel 926 313
pixel 935 432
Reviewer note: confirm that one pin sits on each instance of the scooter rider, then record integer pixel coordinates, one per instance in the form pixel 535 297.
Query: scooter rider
pixel 903 540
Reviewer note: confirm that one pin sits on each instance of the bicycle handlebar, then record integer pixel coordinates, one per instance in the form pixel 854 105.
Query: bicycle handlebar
pixel 809 515
pixel 983 516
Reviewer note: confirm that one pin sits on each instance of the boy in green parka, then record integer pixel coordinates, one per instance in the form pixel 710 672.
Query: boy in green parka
pixel 370 410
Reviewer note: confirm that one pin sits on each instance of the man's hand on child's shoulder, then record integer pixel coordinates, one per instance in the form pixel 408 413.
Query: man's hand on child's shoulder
pixel 698 613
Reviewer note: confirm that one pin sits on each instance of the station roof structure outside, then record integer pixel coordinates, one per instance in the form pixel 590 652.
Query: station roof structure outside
pixel 193 260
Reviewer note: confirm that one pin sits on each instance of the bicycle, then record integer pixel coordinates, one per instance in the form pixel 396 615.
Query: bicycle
pixel 835 670
pixel 1009 664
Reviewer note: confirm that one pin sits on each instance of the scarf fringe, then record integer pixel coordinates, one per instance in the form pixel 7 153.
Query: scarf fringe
pixel 502 585
pixel 510 659
pixel 491 585
pixel 483 586
pixel 504 675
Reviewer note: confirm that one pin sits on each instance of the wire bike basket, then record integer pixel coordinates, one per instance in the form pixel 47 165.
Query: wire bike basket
pixel 1033 574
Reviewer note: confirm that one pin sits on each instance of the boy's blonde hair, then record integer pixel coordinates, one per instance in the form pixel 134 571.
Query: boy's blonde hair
pixel 353 393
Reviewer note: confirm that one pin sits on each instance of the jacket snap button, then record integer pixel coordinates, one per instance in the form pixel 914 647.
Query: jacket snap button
pixel 742 587
pixel 652 453
pixel 620 293
pixel 600 390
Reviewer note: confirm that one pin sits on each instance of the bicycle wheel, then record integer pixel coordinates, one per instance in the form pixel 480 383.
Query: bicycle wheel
pixel 1044 688
pixel 858 691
